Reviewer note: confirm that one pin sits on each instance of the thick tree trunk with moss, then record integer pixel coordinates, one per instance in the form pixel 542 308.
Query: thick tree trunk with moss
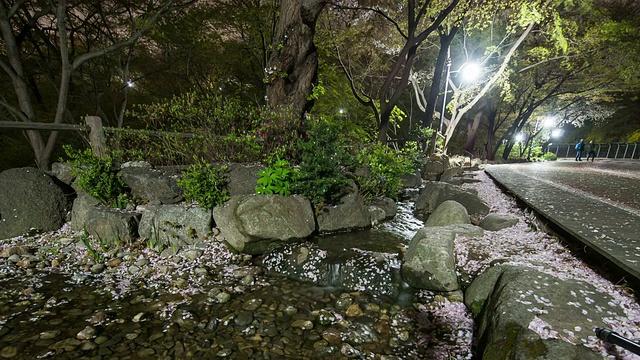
pixel 293 64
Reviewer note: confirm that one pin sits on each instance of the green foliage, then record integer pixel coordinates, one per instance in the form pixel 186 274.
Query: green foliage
pixel 86 240
pixel 316 91
pixel 279 131
pixel 323 153
pixel 414 154
pixel 635 137
pixel 422 145
pixel 276 179
pixel 200 123
pixel 97 177
pixel 209 127
pixel 386 166
pixel 204 184
pixel 549 156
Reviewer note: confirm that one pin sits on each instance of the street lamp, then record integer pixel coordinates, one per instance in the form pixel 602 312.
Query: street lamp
pixel 470 72
pixel 548 121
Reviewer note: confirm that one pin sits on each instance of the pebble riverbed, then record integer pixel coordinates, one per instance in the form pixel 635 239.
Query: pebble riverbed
pixel 58 300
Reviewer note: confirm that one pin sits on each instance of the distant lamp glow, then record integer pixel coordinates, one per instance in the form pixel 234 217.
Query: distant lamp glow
pixel 130 84
pixel 341 111
pixel 548 122
pixel 556 133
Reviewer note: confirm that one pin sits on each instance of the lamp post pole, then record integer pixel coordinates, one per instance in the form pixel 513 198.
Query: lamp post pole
pixel 446 89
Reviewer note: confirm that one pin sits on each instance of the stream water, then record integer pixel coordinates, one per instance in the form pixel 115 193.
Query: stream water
pixel 52 314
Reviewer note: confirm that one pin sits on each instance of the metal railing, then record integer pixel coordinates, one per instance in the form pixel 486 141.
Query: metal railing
pixel 616 150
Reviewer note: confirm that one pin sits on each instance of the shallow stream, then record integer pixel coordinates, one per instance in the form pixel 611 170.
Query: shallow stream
pixel 50 314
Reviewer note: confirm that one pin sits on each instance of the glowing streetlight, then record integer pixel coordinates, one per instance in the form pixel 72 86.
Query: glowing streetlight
pixel 469 71
pixel 130 84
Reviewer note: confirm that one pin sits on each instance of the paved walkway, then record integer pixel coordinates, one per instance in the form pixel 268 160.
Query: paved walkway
pixel 597 203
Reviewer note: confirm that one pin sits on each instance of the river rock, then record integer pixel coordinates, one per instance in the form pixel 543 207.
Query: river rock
pixel 495 222
pixel 448 213
pixel 435 193
pixel 351 213
pixel 429 262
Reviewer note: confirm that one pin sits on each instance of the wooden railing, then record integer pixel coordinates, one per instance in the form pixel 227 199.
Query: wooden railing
pixel 93 125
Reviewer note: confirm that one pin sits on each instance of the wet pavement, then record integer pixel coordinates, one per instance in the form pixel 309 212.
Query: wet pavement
pixel 597 203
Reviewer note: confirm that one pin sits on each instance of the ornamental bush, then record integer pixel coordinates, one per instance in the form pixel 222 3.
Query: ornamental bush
pixel 205 184
pixel 98 177
pixel 323 154
pixel 387 167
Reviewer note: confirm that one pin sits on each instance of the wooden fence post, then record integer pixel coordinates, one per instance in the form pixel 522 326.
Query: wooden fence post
pixel 96 135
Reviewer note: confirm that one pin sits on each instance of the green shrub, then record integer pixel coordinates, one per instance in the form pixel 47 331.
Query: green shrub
pixel 387 167
pixel 276 179
pixel 323 153
pixel 205 184
pixel 549 156
pixel 222 130
pixel 97 177
pixel 279 131
pixel 414 155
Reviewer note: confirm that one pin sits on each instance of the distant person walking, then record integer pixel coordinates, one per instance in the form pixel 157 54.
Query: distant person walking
pixel 580 149
pixel 591 151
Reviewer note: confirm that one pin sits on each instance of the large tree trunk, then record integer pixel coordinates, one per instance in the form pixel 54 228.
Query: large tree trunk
pixel 490 147
pixel 472 132
pixel 293 64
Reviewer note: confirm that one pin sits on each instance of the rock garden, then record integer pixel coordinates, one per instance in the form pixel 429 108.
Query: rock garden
pixel 254 277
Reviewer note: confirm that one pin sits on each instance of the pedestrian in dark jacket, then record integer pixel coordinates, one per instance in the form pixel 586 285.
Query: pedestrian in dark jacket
pixel 579 150
pixel 591 151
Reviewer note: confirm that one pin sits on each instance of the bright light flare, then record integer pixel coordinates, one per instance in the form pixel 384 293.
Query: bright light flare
pixel 471 71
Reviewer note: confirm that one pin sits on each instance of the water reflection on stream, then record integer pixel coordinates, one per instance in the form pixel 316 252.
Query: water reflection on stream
pixel 44 314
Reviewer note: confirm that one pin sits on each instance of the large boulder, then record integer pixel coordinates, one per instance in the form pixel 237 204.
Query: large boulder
pixel 242 179
pixel 110 225
pixel 103 223
pixel 350 214
pixel 523 313
pixel 31 200
pixel 153 185
pixel 448 213
pixel 374 273
pixel 83 205
pixel 251 223
pixel 429 262
pixel 435 193
pixel 175 225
